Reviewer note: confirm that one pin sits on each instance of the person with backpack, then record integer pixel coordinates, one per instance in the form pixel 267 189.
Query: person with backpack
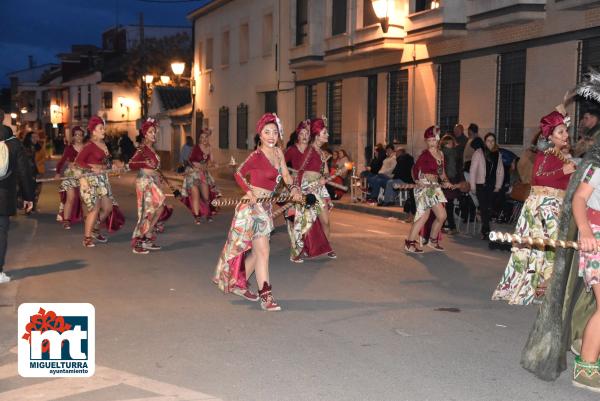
pixel 14 168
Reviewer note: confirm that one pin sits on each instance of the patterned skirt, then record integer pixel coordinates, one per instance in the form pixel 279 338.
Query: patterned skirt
pixel 194 178
pixel 589 262
pixel 69 183
pixel 93 188
pixel 426 198
pixel 529 269
pixel 66 185
pixel 150 198
pixel 249 222
pixel 305 231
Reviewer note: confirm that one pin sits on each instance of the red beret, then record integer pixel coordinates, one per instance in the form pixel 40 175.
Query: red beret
pixel 551 121
pixel 316 126
pixel 146 125
pixel 269 118
pixel 94 121
pixel 77 128
pixel 304 124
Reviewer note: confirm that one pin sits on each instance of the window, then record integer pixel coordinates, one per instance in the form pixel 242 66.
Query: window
pixel 199 124
pixel 244 41
pixel 224 127
pixel 369 16
pixel 422 5
pixel 271 102
pixel 371 112
pixel 225 49
pixel 301 21
pixel 107 100
pixel 242 126
pixel 448 95
pixel 334 111
pixel 311 101
pixel 209 54
pixel 267 34
pixel 397 107
pixel 88 111
pixel 510 98
pixel 338 17
pixel 78 108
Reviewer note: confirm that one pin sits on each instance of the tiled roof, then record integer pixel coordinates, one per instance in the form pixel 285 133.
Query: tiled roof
pixel 173 97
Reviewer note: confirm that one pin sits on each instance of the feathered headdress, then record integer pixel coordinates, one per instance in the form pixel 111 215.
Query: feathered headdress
pixel 589 87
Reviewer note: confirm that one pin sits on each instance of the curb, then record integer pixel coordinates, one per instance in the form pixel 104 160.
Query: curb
pixel 373 210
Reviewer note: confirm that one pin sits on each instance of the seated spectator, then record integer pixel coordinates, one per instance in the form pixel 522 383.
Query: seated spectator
pixel 376 162
pixel 376 182
pixel 400 175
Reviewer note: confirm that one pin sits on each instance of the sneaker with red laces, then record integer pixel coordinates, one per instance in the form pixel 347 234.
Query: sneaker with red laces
pixel 150 245
pixel 197 220
pixel 66 224
pixel 296 259
pixel 267 302
pixel 139 249
pixel 99 237
pixel 245 293
pixel 88 242
pixel 332 255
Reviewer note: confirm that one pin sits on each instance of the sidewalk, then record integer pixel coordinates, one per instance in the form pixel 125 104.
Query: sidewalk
pixel 370 208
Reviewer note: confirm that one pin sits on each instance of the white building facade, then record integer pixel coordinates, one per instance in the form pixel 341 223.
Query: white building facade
pixel 501 64
pixel 241 70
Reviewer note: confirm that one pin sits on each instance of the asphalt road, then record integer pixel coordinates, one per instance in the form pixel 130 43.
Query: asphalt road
pixel 367 326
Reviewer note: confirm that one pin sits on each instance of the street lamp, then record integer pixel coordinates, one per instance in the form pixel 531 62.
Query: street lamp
pixel 178 67
pixel 165 79
pixel 24 110
pixel 148 79
pixel 381 8
pixel 13 116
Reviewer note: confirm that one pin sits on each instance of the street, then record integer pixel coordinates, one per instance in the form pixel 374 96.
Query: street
pixel 375 324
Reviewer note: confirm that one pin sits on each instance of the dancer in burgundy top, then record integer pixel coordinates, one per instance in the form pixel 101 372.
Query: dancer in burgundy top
pixel 150 197
pixel 96 192
pixel 199 187
pixel 529 268
pixel 428 171
pixel 309 227
pixel 70 209
pixel 246 250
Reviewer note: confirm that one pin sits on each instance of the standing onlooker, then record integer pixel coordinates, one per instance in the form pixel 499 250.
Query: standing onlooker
pixel 186 150
pixel 31 147
pixel 486 176
pixel 591 130
pixel 459 135
pixel 379 180
pixel 454 172
pixel 126 147
pixel 18 170
pixel 473 132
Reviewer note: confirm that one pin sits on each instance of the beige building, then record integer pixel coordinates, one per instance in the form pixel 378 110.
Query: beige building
pixel 241 53
pixel 501 64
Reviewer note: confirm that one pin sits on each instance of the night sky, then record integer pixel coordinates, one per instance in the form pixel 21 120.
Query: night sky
pixel 44 28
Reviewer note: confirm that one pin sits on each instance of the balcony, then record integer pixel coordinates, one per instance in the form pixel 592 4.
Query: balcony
pixel 486 14
pixel 447 21
pixel 575 4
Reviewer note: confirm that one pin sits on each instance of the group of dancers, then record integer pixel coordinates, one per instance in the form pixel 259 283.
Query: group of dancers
pixel 86 194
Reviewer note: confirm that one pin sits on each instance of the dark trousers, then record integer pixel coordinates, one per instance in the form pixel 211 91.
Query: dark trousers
pixel 486 197
pixel 4 226
pixel 450 213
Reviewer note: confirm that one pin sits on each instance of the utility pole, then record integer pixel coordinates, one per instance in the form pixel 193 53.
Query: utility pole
pixel 144 94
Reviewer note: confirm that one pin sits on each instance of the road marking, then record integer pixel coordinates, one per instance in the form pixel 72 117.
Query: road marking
pixel 480 255
pixel 343 224
pixel 378 232
pixel 103 378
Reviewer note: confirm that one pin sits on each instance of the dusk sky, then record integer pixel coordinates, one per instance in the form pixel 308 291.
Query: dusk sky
pixel 44 28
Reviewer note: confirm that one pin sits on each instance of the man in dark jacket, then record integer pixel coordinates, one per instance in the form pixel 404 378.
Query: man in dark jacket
pixel 18 171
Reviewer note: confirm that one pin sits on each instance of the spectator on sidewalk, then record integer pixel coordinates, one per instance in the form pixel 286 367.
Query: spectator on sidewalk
pixel 376 162
pixel 126 147
pixel 186 150
pixel 473 132
pixel 18 170
pixel 376 182
pixel 454 172
pixel 486 176
pixel 400 175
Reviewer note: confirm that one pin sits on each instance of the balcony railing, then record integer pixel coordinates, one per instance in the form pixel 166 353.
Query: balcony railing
pixel 484 14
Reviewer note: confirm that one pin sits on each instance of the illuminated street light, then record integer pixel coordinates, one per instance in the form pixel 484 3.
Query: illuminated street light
pixel 165 79
pixel 148 79
pixel 24 110
pixel 381 8
pixel 177 67
pixel 13 116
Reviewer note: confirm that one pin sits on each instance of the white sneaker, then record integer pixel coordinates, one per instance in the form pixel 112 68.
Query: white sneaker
pixel 4 278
